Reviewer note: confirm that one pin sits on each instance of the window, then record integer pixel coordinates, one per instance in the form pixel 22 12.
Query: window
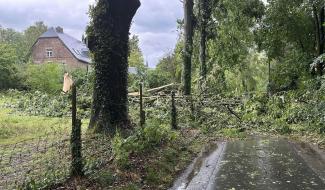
pixel 49 53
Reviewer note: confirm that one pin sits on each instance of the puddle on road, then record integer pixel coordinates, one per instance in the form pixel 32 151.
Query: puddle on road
pixel 257 163
pixel 313 156
pixel 265 164
pixel 196 166
pixel 199 161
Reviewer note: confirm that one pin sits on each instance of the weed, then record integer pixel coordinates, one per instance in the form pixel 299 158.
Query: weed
pixel 233 133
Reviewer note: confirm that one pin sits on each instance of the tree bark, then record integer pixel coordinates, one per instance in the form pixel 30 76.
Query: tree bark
pixel 108 35
pixel 319 16
pixel 322 34
pixel 204 16
pixel 188 46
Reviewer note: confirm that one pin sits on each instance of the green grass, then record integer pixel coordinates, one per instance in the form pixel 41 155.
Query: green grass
pixel 15 127
pixel 233 133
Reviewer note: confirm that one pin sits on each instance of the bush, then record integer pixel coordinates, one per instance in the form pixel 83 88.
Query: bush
pixel 146 139
pixel 156 78
pixel 300 110
pixel 8 76
pixel 42 104
pixel 45 78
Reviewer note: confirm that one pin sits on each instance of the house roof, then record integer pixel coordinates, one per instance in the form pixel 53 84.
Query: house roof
pixel 76 47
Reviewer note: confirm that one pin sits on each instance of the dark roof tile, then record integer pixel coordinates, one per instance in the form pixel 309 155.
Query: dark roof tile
pixel 76 47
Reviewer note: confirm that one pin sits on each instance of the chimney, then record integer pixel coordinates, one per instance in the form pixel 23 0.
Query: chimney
pixel 59 29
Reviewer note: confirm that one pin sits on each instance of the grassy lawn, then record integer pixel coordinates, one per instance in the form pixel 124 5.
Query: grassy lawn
pixel 15 128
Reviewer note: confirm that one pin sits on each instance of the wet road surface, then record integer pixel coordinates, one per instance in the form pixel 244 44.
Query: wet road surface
pixel 258 163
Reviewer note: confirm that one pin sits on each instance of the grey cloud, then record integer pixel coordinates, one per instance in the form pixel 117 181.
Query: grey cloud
pixel 19 14
pixel 155 23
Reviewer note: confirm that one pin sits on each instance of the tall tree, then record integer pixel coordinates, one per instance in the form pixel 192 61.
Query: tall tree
pixel 188 45
pixel 231 41
pixel 135 54
pixel 14 39
pixel 319 17
pixel 7 69
pixel 31 34
pixel 22 41
pixel 108 35
pixel 204 15
pixel 318 10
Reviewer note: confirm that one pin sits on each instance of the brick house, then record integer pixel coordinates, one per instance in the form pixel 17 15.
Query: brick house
pixel 54 46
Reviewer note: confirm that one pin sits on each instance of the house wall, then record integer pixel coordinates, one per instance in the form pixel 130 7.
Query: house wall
pixel 61 54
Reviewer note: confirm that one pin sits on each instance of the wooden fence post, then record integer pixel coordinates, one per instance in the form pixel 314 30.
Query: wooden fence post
pixel 173 112
pixel 142 112
pixel 75 141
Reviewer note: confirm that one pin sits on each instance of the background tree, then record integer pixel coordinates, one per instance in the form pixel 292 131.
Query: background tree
pixel 108 40
pixel 188 45
pixel 290 36
pixel 15 40
pixel 136 60
pixel 204 15
pixel 22 41
pixel 7 68
pixel 231 35
pixel 169 68
pixel 135 54
pixel 31 34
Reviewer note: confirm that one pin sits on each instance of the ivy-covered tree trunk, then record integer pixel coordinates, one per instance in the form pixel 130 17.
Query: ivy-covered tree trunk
pixel 108 35
pixel 204 16
pixel 188 46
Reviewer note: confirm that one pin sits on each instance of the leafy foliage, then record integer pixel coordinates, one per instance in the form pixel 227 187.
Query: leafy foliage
pixel 22 41
pixel 295 111
pixel 42 104
pixel 151 137
pixel 8 58
pixel 46 78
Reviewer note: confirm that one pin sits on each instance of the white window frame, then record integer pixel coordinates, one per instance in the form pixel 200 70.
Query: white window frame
pixel 49 52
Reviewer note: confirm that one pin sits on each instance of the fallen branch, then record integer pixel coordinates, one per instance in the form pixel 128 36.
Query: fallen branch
pixel 153 90
pixel 233 112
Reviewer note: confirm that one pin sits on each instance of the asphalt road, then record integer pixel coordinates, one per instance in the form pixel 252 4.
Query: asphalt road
pixel 257 163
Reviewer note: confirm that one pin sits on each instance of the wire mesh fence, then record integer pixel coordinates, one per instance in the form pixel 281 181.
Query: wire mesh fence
pixel 46 160
pixel 25 163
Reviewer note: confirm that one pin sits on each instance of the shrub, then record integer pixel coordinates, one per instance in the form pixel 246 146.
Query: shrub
pixel 144 140
pixel 42 104
pixel 45 78
pixel 156 78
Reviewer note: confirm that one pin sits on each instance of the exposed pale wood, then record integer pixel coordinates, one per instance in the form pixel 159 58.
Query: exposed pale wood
pixel 161 88
pixel 153 90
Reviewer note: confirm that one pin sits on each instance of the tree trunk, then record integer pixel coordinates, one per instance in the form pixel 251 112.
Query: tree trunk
pixel 188 46
pixel 204 16
pixel 322 34
pixel 319 27
pixel 108 35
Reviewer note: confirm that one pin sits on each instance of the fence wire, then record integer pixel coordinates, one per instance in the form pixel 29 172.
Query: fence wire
pixel 46 160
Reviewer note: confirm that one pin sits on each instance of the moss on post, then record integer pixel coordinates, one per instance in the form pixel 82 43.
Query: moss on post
pixel 76 144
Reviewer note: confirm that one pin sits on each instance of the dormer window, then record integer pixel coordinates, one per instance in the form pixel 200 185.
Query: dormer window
pixel 49 52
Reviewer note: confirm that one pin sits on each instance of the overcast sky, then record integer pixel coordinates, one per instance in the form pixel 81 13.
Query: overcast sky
pixel 155 22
